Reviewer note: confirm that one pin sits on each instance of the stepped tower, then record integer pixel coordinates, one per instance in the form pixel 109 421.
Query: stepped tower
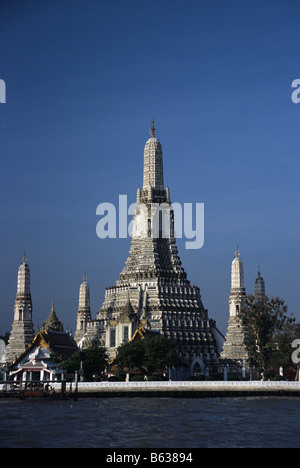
pixel 153 289
pixel 22 332
pixel 234 348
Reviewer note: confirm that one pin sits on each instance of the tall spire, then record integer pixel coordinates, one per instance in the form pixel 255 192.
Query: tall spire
pixel 84 296
pixel 23 287
pixel 84 310
pixel 153 163
pixel 153 290
pixel 234 348
pixel 237 274
pixel 22 332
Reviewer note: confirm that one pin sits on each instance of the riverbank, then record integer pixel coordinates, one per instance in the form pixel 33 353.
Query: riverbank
pixel 182 389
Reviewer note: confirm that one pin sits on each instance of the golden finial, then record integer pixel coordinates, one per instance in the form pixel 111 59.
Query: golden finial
pixel 152 129
pixel 24 258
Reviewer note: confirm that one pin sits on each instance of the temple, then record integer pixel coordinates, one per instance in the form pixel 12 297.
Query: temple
pixel 151 296
pixel 152 293
pixel 36 363
pixel 153 290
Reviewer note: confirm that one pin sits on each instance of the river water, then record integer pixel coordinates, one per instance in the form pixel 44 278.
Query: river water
pixel 151 423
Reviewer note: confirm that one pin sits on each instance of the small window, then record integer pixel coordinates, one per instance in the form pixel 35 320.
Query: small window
pixel 113 338
pixel 125 334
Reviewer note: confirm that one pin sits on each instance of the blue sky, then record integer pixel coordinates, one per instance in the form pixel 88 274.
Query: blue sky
pixel 84 80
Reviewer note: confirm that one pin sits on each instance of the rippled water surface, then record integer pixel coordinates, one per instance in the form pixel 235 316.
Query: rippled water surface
pixel 151 423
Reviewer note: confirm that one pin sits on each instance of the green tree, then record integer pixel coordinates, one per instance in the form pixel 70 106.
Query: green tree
pixel 160 353
pixel 132 355
pixel 94 362
pixel 149 355
pixel 262 320
pixel 282 355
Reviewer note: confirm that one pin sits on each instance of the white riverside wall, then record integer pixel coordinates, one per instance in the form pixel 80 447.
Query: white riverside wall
pixel 181 386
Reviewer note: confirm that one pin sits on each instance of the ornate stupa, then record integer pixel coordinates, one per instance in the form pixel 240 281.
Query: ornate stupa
pixel 22 332
pixel 234 348
pixel 153 290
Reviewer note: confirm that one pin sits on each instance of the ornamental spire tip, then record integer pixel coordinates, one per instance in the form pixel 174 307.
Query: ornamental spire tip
pixel 152 130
